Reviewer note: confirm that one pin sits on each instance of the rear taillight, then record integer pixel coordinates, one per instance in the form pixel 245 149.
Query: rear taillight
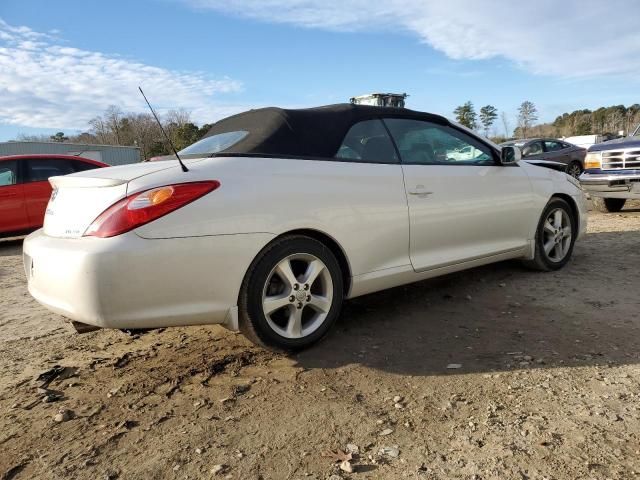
pixel 144 207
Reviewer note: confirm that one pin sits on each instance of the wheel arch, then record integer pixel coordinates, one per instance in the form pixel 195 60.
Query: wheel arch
pixel 333 245
pixel 322 237
pixel 572 203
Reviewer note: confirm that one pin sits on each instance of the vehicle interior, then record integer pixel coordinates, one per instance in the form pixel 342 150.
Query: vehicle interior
pixel 418 143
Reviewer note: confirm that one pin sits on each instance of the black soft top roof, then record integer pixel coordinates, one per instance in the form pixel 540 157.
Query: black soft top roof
pixel 307 132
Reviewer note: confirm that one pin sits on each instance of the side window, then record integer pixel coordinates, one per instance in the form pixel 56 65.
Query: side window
pixel 40 169
pixel 367 141
pixel 80 166
pixel 551 146
pixel 426 143
pixel 8 173
pixel 532 149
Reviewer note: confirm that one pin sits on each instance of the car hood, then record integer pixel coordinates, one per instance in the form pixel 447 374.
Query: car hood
pixel 560 167
pixel 627 142
pixel 561 182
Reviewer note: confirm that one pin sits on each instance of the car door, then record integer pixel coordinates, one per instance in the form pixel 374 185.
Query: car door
pixel 462 205
pixel 575 153
pixel 81 165
pixel 533 150
pixel 13 213
pixel 369 183
pixel 556 151
pixel 37 189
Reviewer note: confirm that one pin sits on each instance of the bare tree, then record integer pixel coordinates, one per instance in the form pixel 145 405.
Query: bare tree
pixel 112 118
pixel 178 117
pixel 174 122
pixel 100 130
pixel 85 137
pixel 527 115
pixel 505 124
pixel 23 137
pixel 146 132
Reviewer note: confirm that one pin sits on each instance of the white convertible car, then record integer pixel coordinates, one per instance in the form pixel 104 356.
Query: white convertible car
pixel 283 214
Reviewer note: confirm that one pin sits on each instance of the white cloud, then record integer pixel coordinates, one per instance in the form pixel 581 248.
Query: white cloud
pixel 568 38
pixel 45 84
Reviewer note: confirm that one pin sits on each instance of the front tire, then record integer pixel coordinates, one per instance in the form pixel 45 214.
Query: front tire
pixel 608 205
pixel 554 236
pixel 291 295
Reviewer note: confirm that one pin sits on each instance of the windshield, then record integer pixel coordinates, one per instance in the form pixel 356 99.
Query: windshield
pixel 214 143
pixel 636 131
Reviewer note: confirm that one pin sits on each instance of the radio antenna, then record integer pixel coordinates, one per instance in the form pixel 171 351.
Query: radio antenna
pixel 182 165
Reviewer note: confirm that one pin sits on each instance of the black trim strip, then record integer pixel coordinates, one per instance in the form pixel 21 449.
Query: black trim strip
pixel 294 157
pixel 393 141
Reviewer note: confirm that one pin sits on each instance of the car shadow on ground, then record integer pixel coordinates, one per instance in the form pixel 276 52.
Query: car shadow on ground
pixel 494 318
pixel 497 317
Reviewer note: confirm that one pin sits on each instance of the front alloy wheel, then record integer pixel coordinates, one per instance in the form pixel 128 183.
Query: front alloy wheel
pixel 557 235
pixel 291 295
pixel 554 236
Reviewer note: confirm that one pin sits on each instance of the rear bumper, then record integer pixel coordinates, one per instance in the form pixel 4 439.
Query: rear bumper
pixel 131 282
pixel 612 185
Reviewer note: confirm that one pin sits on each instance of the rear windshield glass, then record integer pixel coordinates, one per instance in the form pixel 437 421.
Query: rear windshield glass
pixel 214 143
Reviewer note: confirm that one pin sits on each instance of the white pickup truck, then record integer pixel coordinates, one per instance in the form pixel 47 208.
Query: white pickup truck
pixel 612 172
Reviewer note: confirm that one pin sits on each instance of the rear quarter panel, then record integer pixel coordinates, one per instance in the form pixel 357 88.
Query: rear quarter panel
pixel 361 206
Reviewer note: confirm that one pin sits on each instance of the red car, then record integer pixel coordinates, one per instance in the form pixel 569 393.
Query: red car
pixel 25 189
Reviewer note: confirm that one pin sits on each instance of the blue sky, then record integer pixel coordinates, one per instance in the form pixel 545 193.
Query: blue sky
pixel 62 63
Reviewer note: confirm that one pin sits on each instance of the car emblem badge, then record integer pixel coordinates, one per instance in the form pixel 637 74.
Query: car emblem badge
pixel 301 295
pixel 54 194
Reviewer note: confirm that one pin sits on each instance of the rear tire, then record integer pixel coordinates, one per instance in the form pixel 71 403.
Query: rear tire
pixel 608 205
pixel 291 295
pixel 555 237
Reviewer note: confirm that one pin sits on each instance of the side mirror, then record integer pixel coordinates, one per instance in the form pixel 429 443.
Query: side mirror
pixel 510 155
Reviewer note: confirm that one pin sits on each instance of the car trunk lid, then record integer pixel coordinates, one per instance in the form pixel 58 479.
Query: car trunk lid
pixel 78 199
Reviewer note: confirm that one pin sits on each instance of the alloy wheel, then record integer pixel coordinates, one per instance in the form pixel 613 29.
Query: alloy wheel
pixel 574 170
pixel 297 295
pixel 557 235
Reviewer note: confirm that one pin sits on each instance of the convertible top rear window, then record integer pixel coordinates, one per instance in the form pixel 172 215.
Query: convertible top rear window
pixel 215 143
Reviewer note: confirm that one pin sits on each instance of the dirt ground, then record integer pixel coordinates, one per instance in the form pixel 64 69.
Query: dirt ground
pixel 548 384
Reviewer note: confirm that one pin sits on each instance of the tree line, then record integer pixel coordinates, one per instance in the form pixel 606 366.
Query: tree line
pixel 114 127
pixel 603 121
pixel 606 121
